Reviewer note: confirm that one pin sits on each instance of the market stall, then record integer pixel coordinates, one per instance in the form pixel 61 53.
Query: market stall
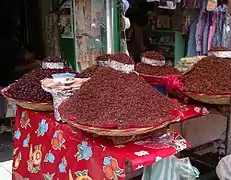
pixel 108 119
pixel 46 149
pixel 54 145
pixel 177 29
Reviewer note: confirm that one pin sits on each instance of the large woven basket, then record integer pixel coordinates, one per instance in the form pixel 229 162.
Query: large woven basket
pixel 218 99
pixel 117 132
pixel 210 98
pixel 123 132
pixel 36 106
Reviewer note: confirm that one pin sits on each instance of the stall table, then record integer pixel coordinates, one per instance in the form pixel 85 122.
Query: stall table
pixel 45 149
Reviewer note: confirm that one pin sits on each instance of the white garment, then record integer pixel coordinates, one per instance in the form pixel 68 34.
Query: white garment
pixel 223 169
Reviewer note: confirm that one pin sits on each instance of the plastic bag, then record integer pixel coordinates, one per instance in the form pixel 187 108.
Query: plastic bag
pixel 10 110
pixel 171 168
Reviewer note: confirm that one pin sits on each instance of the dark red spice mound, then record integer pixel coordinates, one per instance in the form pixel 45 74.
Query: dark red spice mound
pixel 28 88
pixel 122 57
pixel 52 59
pixel 209 75
pixel 89 71
pixel 104 57
pixel 148 69
pixel 219 48
pixel 153 55
pixel 112 99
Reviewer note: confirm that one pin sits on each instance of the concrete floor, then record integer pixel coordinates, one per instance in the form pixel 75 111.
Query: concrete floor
pixel 6 170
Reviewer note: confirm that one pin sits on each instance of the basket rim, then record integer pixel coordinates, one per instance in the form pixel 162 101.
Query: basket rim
pixel 175 117
pixel 110 130
pixel 206 94
pixel 4 90
pixel 122 132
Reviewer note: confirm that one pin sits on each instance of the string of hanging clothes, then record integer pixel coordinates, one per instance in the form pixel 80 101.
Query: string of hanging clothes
pixel 209 28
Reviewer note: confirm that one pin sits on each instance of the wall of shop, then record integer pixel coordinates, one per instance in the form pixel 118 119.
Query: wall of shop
pixel 202 130
pixel 50 32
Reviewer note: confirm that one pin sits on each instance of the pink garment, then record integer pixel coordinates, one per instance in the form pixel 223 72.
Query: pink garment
pixel 212 30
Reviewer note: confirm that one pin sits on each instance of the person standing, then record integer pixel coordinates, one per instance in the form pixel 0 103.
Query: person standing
pixel 137 35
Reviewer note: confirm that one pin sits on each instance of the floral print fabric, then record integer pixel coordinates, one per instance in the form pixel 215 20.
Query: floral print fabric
pixel 45 149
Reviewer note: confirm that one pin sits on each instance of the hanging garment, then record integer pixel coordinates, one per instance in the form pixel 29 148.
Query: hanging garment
pixel 225 30
pixel 217 37
pixel 192 39
pixel 206 34
pixel 219 29
pixel 199 31
pixel 228 30
pixel 199 4
pixel 222 12
pixel 212 29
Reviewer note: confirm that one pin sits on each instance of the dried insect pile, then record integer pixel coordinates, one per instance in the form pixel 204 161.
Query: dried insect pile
pixel 153 55
pixel 156 70
pixel 209 75
pixel 122 57
pixel 28 88
pixel 117 100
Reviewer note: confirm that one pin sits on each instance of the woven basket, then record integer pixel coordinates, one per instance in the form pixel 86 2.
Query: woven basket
pixel 218 99
pixel 127 139
pixel 36 106
pixel 209 99
pixel 121 132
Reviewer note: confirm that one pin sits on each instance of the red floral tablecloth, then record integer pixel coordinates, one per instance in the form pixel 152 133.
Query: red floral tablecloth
pixel 44 149
pixel 190 111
